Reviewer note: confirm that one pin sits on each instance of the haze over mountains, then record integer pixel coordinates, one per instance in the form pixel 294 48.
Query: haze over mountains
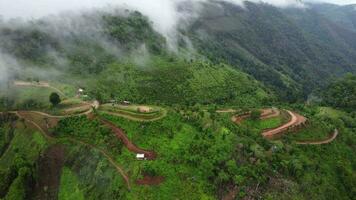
pixel 293 48
pixel 177 99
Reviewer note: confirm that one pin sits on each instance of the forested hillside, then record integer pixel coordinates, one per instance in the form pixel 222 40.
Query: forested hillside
pixel 252 102
pixel 287 49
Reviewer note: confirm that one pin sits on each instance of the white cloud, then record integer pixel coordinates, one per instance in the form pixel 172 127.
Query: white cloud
pixel 340 2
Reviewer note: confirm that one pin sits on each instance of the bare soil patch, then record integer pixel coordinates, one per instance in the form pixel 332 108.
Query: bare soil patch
pixel 149 180
pixel 49 173
pixel 265 114
pixel 150 155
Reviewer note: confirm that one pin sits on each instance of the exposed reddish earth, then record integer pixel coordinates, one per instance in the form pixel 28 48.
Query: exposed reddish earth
pixel 49 173
pixel 231 195
pixel 265 114
pixel 149 180
pixel 30 117
pixel 331 138
pixel 150 155
pixel 270 113
pixel 112 162
pixel 295 121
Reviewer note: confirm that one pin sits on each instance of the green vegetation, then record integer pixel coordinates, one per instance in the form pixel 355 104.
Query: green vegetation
pixel 342 93
pixel 236 62
pixel 255 114
pixel 54 99
pixel 69 186
pixel 17 163
pixel 315 131
pixel 132 31
pixel 133 112
pixel 27 98
pixel 177 82
pixel 264 124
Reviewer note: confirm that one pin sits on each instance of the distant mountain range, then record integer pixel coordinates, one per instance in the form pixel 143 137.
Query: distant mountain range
pixel 293 51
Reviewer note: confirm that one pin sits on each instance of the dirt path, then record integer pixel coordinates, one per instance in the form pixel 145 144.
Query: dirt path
pixel 265 114
pixel 149 180
pixel 295 121
pixel 326 141
pixel 95 105
pixel 226 111
pixel 270 113
pixel 38 84
pixel 49 173
pixel 135 118
pixel 105 154
pixel 150 155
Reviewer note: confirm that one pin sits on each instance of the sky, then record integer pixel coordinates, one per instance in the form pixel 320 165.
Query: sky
pixel 341 2
pixel 40 8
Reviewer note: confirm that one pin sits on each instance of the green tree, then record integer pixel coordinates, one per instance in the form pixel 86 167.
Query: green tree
pixel 54 99
pixel 255 114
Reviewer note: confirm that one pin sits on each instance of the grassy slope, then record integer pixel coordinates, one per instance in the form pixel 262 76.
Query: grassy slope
pixel 27 143
pixel 69 186
pixel 264 124
pixel 170 82
pixel 170 139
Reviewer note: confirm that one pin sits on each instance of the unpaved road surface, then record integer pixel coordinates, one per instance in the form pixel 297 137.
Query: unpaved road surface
pixel 265 114
pixel 37 84
pixel 49 172
pixel 150 155
pixel 326 141
pixel 28 118
pixel 226 111
pixel 149 180
pixel 295 121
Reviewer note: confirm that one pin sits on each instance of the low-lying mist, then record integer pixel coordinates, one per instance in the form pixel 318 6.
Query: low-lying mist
pixel 56 30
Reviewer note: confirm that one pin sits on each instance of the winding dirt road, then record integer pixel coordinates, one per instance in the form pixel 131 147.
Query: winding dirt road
pixel 296 120
pixel 38 84
pixel 326 141
pixel 150 155
pixel 104 153
pixel 265 114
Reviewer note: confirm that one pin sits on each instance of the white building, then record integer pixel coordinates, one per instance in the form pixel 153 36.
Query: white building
pixel 140 156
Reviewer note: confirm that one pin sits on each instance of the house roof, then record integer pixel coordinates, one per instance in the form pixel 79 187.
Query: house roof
pixel 140 155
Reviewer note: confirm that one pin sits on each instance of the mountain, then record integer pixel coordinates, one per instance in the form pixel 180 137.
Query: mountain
pixel 181 113
pixel 343 15
pixel 291 50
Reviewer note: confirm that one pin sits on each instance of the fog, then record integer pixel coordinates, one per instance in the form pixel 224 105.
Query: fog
pixel 62 18
pixel 7 63
pixel 163 13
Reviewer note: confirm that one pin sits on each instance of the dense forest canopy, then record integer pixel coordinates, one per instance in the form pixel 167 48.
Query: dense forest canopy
pixel 342 93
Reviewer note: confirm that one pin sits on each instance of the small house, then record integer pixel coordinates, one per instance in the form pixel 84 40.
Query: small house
pixel 144 109
pixel 140 156
pixel 126 103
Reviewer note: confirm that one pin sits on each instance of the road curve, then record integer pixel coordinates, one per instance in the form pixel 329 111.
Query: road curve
pixel 295 120
pixel 326 141
pixel 127 142
pixel 93 105
pixel 105 154
pixel 39 84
